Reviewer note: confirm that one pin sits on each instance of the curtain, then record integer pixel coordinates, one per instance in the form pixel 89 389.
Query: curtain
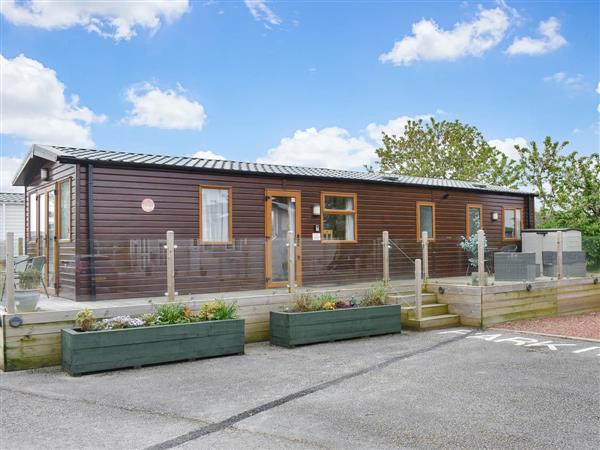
pixel 215 215
pixel 350 227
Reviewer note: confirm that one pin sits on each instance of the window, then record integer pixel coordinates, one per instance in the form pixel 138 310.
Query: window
pixel 32 217
pixel 215 214
pixel 338 217
pixel 474 219
pixel 64 217
pixel 511 229
pixel 426 220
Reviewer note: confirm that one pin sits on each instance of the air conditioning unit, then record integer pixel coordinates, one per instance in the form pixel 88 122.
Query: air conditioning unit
pixel 545 240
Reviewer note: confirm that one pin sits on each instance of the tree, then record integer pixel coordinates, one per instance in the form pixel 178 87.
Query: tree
pixel 568 185
pixel 450 150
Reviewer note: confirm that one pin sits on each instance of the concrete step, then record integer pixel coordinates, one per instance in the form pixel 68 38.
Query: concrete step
pixel 428 310
pixel 409 299
pixel 428 323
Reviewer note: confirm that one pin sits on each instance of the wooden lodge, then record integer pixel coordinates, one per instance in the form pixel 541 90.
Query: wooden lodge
pixel 100 218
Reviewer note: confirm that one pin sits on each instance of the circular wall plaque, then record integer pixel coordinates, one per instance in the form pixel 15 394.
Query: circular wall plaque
pixel 148 205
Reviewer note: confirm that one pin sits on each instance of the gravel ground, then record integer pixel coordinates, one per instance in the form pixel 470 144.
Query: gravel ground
pixel 581 325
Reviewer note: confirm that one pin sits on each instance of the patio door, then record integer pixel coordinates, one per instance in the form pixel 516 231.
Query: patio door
pixel 282 214
pixel 47 238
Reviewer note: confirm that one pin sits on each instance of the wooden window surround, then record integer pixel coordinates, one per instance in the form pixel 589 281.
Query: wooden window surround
pixel 229 208
pixel 419 232
pixel 471 206
pixel 59 218
pixel 327 235
pixel 32 210
pixel 515 220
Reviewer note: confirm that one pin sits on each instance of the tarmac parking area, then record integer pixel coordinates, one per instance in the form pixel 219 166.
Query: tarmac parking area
pixel 455 388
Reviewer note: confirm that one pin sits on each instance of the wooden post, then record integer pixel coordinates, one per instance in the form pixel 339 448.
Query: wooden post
pixel 418 288
pixel 170 266
pixel 481 257
pixel 386 258
pixel 20 247
pixel 9 280
pixel 425 250
pixel 559 255
pixel 291 245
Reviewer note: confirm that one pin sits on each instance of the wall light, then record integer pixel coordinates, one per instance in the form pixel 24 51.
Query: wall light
pixel 44 174
pixel 148 205
pixel 495 216
pixel 441 290
pixel 316 210
pixel 529 287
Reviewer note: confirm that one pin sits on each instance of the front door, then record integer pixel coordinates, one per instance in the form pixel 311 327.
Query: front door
pixel 282 214
pixel 47 238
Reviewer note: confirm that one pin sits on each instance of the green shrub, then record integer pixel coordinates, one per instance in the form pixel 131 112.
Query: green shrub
pixel 170 313
pixel 85 320
pixel 29 279
pixel 218 310
pixel 376 295
pixel 303 302
pixel 591 247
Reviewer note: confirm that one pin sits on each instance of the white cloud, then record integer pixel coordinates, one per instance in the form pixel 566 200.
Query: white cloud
pixel 392 127
pixel 431 43
pixel 208 154
pixel 261 12
pixel 598 88
pixel 507 146
pixel 569 82
pixel 167 109
pixel 551 40
pixel 34 107
pixel 331 147
pixel 115 19
pixel 8 170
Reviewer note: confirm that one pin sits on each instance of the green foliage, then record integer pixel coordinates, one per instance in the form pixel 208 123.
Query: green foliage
pixel 149 319
pixel 470 246
pixel 591 246
pixel 170 313
pixel 568 185
pixel 303 302
pixel 218 310
pixel 306 302
pixel 29 279
pixel 450 150
pixel 376 295
pixel 85 320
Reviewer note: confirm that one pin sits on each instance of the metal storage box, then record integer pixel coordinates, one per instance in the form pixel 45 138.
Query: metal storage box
pixel 574 264
pixel 545 240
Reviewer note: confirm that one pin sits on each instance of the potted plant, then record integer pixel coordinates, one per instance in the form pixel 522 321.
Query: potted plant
pixel 172 333
pixel 27 292
pixel 325 318
pixel 470 246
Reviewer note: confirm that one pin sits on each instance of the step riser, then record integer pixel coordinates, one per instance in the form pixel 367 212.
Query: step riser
pixel 427 299
pixel 428 311
pixel 432 324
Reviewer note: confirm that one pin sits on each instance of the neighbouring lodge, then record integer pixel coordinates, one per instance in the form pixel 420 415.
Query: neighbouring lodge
pixel 100 218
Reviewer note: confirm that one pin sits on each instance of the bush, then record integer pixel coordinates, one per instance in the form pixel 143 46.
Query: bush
pixel 170 313
pixel 85 320
pixel 377 295
pixel 29 279
pixel 218 310
pixel 303 302
pixel 591 246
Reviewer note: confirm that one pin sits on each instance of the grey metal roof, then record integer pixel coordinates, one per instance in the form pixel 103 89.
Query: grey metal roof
pixel 11 197
pixel 70 154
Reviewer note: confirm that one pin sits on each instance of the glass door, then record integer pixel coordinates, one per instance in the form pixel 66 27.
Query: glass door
pixel 282 214
pixel 47 238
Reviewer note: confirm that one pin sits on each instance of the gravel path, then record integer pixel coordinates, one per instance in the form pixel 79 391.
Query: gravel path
pixel 581 325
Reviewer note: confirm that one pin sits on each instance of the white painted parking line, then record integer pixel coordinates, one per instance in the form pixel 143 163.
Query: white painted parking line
pixel 521 341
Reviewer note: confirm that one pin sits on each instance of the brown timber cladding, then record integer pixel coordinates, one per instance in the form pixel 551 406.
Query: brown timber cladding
pixel 119 219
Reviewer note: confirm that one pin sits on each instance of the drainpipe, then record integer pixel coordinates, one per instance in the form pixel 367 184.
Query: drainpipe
pixel 90 205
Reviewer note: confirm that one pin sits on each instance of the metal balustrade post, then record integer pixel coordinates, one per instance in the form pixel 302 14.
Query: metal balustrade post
pixel 386 258
pixel 418 288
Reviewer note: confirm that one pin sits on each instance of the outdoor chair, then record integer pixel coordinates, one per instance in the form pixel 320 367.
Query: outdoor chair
pixel 38 263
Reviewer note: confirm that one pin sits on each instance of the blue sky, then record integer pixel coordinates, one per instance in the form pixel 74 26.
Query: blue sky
pixel 293 82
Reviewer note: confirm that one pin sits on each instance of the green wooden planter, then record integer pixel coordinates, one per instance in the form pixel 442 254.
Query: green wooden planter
pixel 94 351
pixel 290 329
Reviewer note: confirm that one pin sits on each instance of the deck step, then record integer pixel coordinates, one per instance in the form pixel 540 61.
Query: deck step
pixel 427 310
pixel 428 323
pixel 409 299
